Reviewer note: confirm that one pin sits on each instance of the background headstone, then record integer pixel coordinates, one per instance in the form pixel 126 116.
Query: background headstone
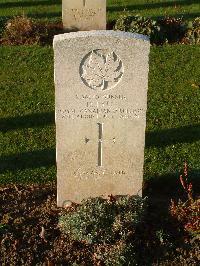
pixel 101 80
pixel 84 15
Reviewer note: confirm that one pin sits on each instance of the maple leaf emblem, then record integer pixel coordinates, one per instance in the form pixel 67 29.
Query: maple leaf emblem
pixel 102 71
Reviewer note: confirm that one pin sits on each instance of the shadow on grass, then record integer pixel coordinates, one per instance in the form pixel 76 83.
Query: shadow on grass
pixel 165 137
pixel 30 3
pixel 56 16
pixel 27 121
pixel 161 138
pixel 45 15
pixel 3 20
pixel 143 6
pixel 35 159
pixel 28 160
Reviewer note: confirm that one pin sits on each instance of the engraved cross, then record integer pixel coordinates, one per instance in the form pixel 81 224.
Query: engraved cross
pixel 100 144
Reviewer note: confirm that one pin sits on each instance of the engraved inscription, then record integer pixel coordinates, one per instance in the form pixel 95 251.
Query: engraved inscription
pixel 99 173
pixel 84 14
pixel 101 69
pixel 101 113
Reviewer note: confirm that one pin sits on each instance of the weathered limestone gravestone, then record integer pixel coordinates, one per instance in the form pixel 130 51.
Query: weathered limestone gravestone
pixel 101 80
pixel 84 14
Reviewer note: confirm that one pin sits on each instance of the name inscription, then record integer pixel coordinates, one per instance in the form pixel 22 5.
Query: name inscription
pixel 84 13
pixel 101 107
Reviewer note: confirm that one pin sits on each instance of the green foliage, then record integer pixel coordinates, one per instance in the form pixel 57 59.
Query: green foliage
pixel 164 239
pixel 138 24
pixel 108 226
pixel 164 30
pixel 101 221
pixel 192 35
pixel 119 254
pixel 3 228
pixel 23 30
pixel 3 21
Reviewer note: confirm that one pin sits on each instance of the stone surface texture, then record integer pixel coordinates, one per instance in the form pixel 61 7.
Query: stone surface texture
pixel 84 15
pixel 101 80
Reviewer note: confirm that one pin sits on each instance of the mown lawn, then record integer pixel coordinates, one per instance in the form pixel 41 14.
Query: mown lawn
pixel 51 9
pixel 27 137
pixel 173 117
pixel 27 130
pixel 155 8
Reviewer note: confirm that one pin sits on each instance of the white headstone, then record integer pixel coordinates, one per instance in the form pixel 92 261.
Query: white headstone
pixel 101 80
pixel 84 15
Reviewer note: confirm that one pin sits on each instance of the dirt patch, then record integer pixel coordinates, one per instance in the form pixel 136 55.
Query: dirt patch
pixel 29 232
pixel 29 235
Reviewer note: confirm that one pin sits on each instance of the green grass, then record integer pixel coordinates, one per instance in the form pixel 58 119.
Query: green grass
pixel 51 9
pixel 27 137
pixel 173 118
pixel 27 131
pixel 155 8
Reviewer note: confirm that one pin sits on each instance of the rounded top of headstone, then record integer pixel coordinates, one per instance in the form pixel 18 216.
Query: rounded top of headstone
pixel 103 33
